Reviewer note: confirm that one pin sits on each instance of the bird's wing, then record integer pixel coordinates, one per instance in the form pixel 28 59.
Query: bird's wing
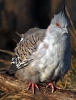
pixel 28 45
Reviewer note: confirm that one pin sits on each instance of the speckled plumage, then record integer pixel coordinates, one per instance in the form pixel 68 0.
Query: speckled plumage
pixel 43 55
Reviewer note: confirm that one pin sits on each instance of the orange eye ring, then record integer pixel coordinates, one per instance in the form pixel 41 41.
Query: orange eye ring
pixel 57 24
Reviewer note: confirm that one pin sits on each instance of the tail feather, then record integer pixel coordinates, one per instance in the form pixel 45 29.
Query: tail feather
pixel 13 66
pixel 12 69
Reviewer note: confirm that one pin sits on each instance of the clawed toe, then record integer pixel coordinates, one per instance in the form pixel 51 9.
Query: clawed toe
pixel 53 87
pixel 33 86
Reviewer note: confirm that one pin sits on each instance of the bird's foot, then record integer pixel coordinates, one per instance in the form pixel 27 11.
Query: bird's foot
pixel 33 86
pixel 53 87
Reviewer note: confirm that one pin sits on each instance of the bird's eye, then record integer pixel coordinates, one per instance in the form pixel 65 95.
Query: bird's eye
pixel 57 24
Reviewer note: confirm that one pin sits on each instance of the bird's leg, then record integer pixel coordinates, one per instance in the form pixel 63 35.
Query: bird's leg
pixel 33 86
pixel 53 87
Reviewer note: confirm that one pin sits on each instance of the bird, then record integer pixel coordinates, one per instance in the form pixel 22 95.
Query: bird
pixel 43 55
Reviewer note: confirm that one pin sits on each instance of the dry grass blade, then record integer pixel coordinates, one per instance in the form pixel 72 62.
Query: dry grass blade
pixel 4 61
pixel 71 22
pixel 71 33
pixel 19 34
pixel 7 52
pixel 15 40
pixel 73 41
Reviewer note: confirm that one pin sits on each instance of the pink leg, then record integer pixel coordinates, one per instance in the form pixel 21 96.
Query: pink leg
pixel 33 85
pixel 53 87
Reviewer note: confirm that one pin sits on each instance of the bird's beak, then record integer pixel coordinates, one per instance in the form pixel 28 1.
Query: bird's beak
pixel 65 30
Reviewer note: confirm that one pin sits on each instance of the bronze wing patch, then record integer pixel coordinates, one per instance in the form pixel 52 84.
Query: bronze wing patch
pixel 28 45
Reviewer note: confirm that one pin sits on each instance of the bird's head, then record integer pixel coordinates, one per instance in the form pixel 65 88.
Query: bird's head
pixel 59 22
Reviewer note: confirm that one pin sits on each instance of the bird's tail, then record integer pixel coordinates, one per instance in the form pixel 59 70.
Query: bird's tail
pixel 13 67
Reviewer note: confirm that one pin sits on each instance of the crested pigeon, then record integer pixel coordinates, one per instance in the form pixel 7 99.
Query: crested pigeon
pixel 43 55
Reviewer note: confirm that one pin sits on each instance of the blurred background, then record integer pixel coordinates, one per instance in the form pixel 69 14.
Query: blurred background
pixel 21 15
pixel 17 16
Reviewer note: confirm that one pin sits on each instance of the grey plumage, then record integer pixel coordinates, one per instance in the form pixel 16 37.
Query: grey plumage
pixel 44 55
pixel 60 18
